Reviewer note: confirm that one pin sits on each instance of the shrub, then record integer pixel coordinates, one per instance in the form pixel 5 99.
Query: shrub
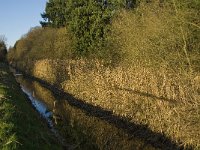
pixel 42 43
pixel 155 34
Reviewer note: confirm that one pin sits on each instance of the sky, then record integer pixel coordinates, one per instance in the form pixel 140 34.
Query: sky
pixel 18 16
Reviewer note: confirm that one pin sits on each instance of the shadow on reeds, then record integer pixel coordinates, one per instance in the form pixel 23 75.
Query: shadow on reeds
pixel 140 93
pixel 142 132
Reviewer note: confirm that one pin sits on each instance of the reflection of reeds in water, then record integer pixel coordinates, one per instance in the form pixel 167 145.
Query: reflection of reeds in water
pixel 47 97
pixel 56 115
pixel 97 131
pixel 44 95
pixel 87 131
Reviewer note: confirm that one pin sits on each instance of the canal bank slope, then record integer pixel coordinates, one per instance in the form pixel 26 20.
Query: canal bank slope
pixel 20 126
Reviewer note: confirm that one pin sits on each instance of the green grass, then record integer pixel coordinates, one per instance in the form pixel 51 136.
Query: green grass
pixel 20 125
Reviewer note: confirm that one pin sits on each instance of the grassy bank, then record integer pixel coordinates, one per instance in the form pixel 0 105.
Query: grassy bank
pixel 20 126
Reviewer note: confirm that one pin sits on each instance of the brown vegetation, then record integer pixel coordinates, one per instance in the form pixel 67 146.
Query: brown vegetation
pixel 156 80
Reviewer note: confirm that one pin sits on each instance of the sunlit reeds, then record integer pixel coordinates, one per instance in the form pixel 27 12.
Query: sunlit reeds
pixel 166 101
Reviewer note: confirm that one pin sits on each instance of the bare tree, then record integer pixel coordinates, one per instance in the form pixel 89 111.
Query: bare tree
pixel 3 49
pixel 3 39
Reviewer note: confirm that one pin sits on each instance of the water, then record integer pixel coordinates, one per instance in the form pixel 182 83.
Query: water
pixel 75 126
pixel 39 106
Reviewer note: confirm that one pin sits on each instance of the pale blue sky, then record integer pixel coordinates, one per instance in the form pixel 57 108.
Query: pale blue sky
pixel 18 16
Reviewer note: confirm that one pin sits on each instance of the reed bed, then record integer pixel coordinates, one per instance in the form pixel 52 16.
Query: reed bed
pixel 165 100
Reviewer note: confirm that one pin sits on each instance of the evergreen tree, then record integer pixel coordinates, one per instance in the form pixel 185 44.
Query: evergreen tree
pixel 56 14
pixel 88 20
pixel 90 24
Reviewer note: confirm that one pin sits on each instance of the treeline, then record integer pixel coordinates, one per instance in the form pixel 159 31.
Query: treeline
pixel 146 31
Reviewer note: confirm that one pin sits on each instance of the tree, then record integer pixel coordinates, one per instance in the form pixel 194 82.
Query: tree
pixel 3 49
pixel 56 14
pixel 88 20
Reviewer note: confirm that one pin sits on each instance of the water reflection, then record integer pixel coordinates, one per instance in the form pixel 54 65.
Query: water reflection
pixel 79 128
